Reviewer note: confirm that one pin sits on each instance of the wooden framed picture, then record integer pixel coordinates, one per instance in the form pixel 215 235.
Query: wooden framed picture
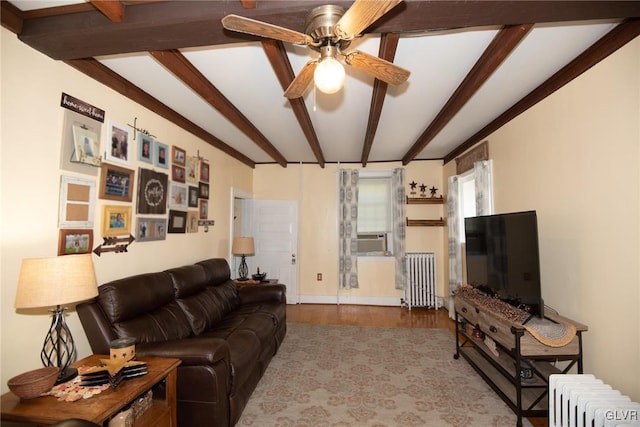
pixel 145 148
pixel 86 145
pixel 177 174
pixel 203 191
pixel 178 155
pixel 177 221
pixel 192 221
pixel 204 209
pixel 178 196
pixel 75 241
pixel 152 192
pixel 77 198
pixel 161 155
pixel 116 183
pixel 151 229
pixel 193 197
pixel 116 220
pixel 192 169
pixel 204 172
pixel 117 149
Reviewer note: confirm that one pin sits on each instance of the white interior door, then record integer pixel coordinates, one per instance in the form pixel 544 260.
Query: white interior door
pixel 273 224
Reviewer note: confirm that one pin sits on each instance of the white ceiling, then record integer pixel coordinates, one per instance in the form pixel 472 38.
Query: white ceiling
pixel 438 61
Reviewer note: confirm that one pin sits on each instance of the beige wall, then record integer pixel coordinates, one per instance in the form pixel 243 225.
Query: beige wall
pixel 30 176
pixel 575 159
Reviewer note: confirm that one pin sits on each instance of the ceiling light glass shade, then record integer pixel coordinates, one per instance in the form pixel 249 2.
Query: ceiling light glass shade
pixel 329 75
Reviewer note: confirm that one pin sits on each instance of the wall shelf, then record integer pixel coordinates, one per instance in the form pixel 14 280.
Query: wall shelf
pixel 426 222
pixel 425 200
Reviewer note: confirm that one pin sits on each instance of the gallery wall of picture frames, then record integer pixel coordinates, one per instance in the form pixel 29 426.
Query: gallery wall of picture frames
pixel 150 188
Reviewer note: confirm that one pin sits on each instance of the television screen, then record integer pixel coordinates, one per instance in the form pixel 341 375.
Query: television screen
pixel 503 260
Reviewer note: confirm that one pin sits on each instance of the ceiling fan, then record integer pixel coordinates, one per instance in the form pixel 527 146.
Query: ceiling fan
pixel 329 29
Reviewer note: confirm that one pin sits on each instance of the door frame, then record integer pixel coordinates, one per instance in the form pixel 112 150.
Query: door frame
pixel 235 193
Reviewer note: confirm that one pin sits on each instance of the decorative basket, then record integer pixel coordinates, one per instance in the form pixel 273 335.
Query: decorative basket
pixel 33 383
pixel 259 277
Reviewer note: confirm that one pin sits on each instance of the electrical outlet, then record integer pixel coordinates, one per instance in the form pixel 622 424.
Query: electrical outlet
pixel 319 277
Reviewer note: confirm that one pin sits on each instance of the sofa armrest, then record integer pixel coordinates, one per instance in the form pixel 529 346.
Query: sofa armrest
pixel 263 293
pixel 191 351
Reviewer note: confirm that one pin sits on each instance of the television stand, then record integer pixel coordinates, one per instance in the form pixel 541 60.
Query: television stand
pixel 519 365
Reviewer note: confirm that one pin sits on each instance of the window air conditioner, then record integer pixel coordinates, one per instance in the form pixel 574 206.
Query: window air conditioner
pixel 372 243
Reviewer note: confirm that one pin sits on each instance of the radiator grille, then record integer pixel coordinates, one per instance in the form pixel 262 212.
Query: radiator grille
pixel 421 280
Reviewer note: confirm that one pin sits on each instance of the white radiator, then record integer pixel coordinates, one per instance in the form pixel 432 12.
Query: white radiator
pixel 421 280
pixel 582 400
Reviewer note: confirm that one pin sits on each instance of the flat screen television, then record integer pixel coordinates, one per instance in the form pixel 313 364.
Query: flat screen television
pixel 503 260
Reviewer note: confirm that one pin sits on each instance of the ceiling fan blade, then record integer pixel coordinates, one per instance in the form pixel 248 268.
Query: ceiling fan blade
pixel 263 29
pixel 379 68
pixel 360 15
pixel 300 84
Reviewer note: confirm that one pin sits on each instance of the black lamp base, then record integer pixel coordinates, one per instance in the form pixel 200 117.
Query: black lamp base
pixel 67 375
pixel 243 271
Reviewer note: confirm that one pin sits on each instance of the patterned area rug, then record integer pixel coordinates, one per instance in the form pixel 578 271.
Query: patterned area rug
pixel 348 376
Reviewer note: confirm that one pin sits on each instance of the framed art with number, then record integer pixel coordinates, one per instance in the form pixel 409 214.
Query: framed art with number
pixel 77 197
pixel 116 220
pixel 118 144
pixel 116 183
pixel 75 241
pixel 150 229
pixel 177 221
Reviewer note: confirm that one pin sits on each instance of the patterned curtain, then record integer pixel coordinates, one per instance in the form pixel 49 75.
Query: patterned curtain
pixel 455 249
pixel 399 225
pixel 483 178
pixel 348 238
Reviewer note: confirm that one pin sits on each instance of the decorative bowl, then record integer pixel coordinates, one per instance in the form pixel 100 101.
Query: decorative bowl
pixel 259 277
pixel 33 383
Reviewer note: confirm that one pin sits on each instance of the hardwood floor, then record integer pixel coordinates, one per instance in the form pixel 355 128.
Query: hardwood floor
pixel 391 317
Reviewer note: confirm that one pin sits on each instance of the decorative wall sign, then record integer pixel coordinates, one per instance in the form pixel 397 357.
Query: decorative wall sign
pixel 117 146
pixel 116 220
pixel 114 244
pixel 161 155
pixel 177 222
pixel 77 197
pixel 75 241
pixel 152 192
pixel 145 148
pixel 74 104
pixel 116 183
pixel 150 229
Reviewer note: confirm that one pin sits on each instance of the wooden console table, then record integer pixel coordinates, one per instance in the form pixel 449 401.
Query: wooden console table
pixel 161 379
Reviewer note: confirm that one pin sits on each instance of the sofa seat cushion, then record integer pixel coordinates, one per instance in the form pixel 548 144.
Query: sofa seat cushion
pixel 277 311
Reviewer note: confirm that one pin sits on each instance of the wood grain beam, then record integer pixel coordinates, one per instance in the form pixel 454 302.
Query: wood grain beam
pixel 387 51
pixel 106 76
pixel 112 9
pixel 608 44
pixel 177 64
pixel 11 17
pixel 500 47
pixel 279 60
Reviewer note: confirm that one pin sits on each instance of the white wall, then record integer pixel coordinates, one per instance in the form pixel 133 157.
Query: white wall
pixel 32 125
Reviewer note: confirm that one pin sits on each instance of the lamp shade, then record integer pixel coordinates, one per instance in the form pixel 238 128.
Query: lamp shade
pixel 329 75
pixel 48 282
pixel 243 246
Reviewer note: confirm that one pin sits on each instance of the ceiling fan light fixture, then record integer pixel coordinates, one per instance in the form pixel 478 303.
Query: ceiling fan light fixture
pixel 329 75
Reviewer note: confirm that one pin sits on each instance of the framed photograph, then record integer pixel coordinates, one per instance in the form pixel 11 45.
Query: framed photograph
pixel 192 169
pixel 177 222
pixel 116 183
pixel 151 229
pixel 203 191
pixel 145 148
pixel 152 192
pixel 75 241
pixel 204 172
pixel 178 155
pixel 86 146
pixel 77 198
pixel 193 197
pixel 117 149
pixel 116 220
pixel 178 196
pixel 161 158
pixel 204 209
pixel 192 221
pixel 177 174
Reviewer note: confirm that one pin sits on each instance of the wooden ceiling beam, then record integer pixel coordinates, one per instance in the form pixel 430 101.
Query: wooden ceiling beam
pixel 106 76
pixel 11 17
pixel 498 50
pixel 608 44
pixel 177 64
pixel 279 60
pixel 146 27
pixel 387 51
pixel 112 9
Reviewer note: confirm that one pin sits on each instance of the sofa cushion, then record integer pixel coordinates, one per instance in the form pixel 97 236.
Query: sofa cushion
pixel 217 270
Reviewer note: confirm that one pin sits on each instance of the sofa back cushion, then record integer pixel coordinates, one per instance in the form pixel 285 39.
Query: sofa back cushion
pixel 144 307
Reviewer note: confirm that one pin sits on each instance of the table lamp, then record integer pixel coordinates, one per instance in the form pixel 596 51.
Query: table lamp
pixel 243 246
pixel 54 282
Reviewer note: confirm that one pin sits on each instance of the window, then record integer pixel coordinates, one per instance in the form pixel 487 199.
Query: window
pixel 375 213
pixel 467 207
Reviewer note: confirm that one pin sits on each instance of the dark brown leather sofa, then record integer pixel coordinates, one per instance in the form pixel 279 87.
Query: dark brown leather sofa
pixel 225 336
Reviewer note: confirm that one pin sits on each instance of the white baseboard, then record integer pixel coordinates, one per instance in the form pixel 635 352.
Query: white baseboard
pixel 334 299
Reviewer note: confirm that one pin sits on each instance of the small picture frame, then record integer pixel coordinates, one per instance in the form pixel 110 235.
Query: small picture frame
pixel 177 221
pixel 77 204
pixel 192 221
pixel 204 209
pixel 117 149
pixel 75 241
pixel 178 155
pixel 204 172
pixel 177 174
pixel 116 220
pixel 145 148
pixel 178 198
pixel 161 155
pixel 193 197
pixel 86 146
pixel 151 229
pixel 203 191
pixel 116 183
pixel 192 169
